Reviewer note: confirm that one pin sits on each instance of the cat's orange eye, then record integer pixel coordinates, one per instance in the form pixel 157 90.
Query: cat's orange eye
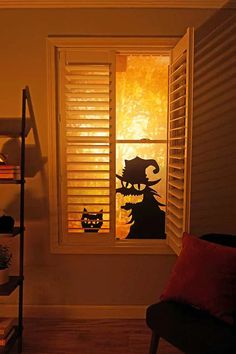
pixel 126 184
pixel 139 186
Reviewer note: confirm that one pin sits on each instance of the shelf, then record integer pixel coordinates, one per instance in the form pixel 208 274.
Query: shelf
pixel 6 348
pixel 16 128
pixel 10 181
pixel 16 231
pixel 11 127
pixel 7 288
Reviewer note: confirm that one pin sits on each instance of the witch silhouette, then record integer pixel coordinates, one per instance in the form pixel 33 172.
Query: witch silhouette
pixel 147 219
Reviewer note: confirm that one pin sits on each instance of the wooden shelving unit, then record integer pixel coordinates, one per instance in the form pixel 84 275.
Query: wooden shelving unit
pixel 16 128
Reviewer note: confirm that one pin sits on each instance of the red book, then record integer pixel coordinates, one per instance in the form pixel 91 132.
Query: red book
pixel 3 341
pixel 9 172
pixel 6 324
pixel 9 167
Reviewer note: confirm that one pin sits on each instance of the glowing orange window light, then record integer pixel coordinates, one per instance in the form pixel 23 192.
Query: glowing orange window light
pixel 141 121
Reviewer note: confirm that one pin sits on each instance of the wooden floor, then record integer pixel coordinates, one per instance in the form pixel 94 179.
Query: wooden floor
pixel 44 336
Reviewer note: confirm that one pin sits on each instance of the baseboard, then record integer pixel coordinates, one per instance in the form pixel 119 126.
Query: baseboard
pixel 76 311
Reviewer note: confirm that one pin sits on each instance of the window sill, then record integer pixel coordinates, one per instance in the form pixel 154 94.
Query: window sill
pixel 119 247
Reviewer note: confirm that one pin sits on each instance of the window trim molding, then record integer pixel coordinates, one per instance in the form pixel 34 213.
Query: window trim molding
pixel 148 44
pixel 49 4
pixel 118 247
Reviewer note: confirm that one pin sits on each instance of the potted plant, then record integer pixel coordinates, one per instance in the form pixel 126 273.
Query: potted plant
pixel 5 262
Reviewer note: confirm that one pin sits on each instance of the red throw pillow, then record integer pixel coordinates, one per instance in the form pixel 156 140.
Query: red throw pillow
pixel 204 276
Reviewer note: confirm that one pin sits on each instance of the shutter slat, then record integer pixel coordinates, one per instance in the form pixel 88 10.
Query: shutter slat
pixel 178 70
pixel 84 129
pixel 90 111
pixel 90 95
pixel 178 99
pixel 87 198
pixel 178 223
pixel 177 157
pixel 87 195
pixel 87 140
pixel 177 147
pixel 77 163
pixel 177 232
pixel 178 138
pixel 179 89
pixel 180 61
pixel 176 202
pixel 85 88
pixel 177 174
pixel 175 211
pixel 177 184
pixel 87 104
pixel 84 67
pixel 90 203
pixel 88 179
pixel 176 193
pixel 88 171
pixel 97 154
pixel 87 121
pixel 178 80
pixel 177 108
pixel 85 188
pixel 178 128
pixel 85 76
pixel 174 241
pixel 174 119
pixel 177 165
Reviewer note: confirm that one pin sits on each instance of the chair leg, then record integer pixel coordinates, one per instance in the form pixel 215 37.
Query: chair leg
pixel 154 343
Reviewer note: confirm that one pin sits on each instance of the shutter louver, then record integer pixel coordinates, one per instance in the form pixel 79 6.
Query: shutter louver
pixel 179 141
pixel 86 128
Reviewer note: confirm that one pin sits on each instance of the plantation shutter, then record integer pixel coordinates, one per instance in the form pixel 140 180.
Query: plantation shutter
pixel 87 136
pixel 179 140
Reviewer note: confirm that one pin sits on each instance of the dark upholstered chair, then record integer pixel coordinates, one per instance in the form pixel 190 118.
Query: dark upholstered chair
pixel 190 329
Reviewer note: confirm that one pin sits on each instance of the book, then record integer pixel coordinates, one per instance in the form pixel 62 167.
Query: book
pixel 9 172
pixel 6 325
pixel 4 341
pixel 9 167
pixel 10 176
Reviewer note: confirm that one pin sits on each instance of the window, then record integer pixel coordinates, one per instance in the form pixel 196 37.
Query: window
pixel 141 145
pixel 110 179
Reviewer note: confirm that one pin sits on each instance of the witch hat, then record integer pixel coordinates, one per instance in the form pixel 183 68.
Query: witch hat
pixel 135 171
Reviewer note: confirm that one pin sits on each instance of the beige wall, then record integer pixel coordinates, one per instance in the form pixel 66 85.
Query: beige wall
pixel 214 127
pixel 73 279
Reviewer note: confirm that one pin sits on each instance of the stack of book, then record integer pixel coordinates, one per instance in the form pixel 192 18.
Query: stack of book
pixel 9 172
pixel 7 330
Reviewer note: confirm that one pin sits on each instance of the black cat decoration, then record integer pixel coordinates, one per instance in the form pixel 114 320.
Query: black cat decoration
pixel 147 219
pixel 92 222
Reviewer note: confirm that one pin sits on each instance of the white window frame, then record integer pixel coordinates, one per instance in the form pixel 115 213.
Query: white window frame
pixel 120 44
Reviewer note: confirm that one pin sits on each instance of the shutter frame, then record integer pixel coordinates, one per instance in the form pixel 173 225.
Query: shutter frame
pixel 180 140
pixel 86 127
